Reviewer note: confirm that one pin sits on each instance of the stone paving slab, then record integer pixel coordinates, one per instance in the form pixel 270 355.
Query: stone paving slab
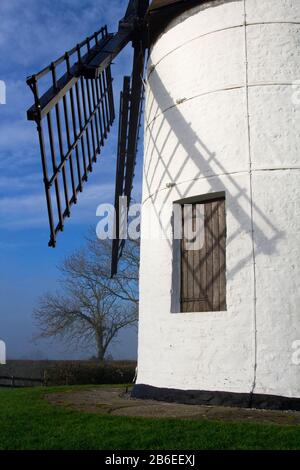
pixel 116 402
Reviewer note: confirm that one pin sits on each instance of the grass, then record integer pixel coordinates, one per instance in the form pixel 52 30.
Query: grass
pixel 27 421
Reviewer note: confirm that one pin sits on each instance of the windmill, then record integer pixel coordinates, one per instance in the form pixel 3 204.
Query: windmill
pixel 219 321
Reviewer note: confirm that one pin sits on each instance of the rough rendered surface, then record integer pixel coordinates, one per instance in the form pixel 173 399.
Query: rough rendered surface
pixel 223 114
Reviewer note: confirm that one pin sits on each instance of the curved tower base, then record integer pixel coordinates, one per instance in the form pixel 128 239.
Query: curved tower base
pixel 222 132
pixel 218 398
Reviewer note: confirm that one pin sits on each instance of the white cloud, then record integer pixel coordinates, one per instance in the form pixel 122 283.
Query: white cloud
pixel 29 211
pixel 38 30
pixel 19 183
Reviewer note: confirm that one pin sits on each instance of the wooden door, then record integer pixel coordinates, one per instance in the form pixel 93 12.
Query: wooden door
pixel 203 269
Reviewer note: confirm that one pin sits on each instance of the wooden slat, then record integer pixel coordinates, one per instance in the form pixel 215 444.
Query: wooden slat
pixel 204 307
pixel 197 270
pixel 184 271
pixel 209 254
pixel 190 275
pixel 215 256
pixel 222 244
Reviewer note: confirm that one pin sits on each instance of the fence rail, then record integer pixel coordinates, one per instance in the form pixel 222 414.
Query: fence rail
pixel 13 381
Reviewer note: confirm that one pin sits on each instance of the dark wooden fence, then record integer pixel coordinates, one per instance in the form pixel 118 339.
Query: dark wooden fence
pixel 18 382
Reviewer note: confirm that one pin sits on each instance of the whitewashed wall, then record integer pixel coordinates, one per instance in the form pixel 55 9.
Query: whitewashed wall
pixel 222 115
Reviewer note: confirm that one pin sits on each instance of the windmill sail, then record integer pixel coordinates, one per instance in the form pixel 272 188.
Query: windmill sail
pixel 73 119
pixel 74 111
pixel 129 125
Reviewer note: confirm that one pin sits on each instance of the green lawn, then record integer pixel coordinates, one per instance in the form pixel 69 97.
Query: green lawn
pixel 27 421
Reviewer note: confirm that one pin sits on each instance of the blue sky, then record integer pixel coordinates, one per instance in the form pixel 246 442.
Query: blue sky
pixel 32 34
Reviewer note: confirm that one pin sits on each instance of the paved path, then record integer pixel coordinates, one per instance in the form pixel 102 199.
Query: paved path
pixel 116 402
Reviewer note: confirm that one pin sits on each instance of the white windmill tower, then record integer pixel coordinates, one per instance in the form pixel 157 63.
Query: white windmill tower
pixel 219 323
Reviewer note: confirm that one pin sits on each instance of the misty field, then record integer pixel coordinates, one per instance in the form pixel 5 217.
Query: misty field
pixel 28 421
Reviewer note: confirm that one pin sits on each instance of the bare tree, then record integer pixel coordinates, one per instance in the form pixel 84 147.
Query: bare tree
pixel 90 306
pixel 125 283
